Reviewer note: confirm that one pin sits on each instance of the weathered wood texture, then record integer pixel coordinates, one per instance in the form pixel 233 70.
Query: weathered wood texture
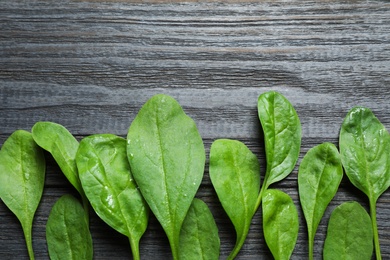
pixel 90 65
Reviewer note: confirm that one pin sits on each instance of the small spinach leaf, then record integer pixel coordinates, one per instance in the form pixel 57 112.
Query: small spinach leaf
pixel 107 181
pixel 235 175
pixel 58 141
pixel 319 177
pixel 349 233
pixel 62 145
pixel 365 154
pixel 282 136
pixel 280 223
pixel 199 234
pixel 22 177
pixel 67 232
pixel 167 158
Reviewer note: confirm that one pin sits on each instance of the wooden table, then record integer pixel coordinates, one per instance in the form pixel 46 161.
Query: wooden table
pixel 91 65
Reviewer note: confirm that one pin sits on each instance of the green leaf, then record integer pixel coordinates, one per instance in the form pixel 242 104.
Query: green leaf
pixel 199 234
pixel 62 145
pixel 167 158
pixel 319 177
pixel 235 175
pixel 22 177
pixel 365 154
pixel 282 135
pixel 349 234
pixel 280 223
pixel 67 232
pixel 108 183
pixel 58 141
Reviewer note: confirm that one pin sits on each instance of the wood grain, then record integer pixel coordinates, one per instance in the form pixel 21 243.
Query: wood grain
pixel 91 65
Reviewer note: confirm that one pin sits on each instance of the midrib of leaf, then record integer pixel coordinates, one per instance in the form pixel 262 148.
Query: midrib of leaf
pixel 366 168
pixel 27 219
pixel 69 167
pixel 186 173
pixel 271 151
pixel 371 196
pixel 280 249
pixel 172 227
pixel 27 216
pixel 67 238
pixel 242 237
pixel 197 234
pixel 265 185
pixel 25 193
pixel 313 229
pixel 107 183
pixel 345 244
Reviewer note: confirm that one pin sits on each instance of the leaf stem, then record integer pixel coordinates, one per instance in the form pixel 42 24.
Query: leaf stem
pixel 375 228
pixel 264 187
pixel 237 247
pixel 311 245
pixel 86 207
pixel 28 237
pixel 134 245
pixel 174 243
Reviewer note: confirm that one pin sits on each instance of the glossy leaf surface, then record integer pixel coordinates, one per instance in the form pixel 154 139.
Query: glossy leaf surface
pixel 67 232
pixel 280 223
pixel 62 145
pixel 319 177
pixel 199 234
pixel 108 183
pixel 350 234
pixel 167 158
pixel 282 135
pixel 365 152
pixel 22 177
pixel 235 175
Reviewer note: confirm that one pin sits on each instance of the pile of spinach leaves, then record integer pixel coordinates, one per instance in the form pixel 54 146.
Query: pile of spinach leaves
pixel 158 168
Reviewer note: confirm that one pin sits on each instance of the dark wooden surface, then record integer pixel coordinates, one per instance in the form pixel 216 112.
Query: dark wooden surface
pixel 90 65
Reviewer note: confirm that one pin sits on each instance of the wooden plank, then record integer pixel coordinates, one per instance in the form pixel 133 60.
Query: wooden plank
pixel 91 65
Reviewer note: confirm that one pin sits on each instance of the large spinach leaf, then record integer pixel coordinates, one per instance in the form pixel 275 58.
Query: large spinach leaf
pixel 235 175
pixel 67 231
pixel 365 154
pixel 167 158
pixel 22 177
pixel 108 183
pixel 199 234
pixel 280 223
pixel 319 177
pixel 349 234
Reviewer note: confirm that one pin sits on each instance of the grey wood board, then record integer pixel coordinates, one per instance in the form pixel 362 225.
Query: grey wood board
pixel 91 65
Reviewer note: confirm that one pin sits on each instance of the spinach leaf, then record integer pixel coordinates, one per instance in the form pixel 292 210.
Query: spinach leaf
pixel 167 158
pixel 62 145
pixel 282 136
pixel 280 223
pixel 235 175
pixel 108 183
pixel 67 231
pixel 199 234
pixel 58 141
pixel 22 177
pixel 319 177
pixel 365 154
pixel 349 234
